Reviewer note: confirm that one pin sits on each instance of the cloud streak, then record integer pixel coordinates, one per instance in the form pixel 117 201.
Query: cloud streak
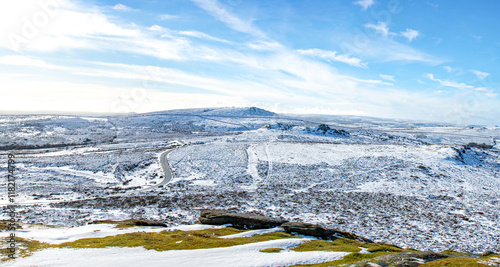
pixel 232 21
pixel 122 7
pixel 410 34
pixel 365 4
pixel 334 56
pixel 480 74
pixel 17 60
pixel 381 28
pixel 462 86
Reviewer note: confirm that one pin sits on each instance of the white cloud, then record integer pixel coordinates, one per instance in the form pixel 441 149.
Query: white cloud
pixel 380 28
pixel 333 56
pixel 27 61
pixel 232 21
pixel 364 3
pixel 278 75
pixel 410 34
pixel 462 86
pixel 68 26
pixel 480 74
pixel 450 69
pixel 387 77
pixel 202 35
pixel 122 7
pixel 447 83
pixel 168 17
pixel 261 45
pixel 386 50
pixel 54 96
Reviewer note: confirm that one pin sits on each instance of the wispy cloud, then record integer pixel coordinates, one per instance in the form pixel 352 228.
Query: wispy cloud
pixel 122 7
pixel 232 21
pixel 387 77
pixel 383 29
pixel 480 74
pixel 410 34
pixel 258 71
pixel 477 37
pixel 27 61
pixel 334 56
pixel 261 45
pixel 450 69
pixel 168 17
pixel 172 33
pixel 202 35
pixel 365 4
pixel 462 86
pixel 387 49
pixel 432 5
pixel 380 28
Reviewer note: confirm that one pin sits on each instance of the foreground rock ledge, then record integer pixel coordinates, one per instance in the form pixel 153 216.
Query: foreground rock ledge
pixel 239 220
pixel 252 221
pixel 309 229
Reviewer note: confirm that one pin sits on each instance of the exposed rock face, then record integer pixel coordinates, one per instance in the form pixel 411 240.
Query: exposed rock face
pixel 239 220
pixel 251 221
pixel 319 231
pixel 133 222
pixel 324 129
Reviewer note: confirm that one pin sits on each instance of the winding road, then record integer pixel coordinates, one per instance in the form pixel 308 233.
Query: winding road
pixel 166 169
pixel 168 175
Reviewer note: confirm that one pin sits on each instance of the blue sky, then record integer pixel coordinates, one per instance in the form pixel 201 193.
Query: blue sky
pixel 425 60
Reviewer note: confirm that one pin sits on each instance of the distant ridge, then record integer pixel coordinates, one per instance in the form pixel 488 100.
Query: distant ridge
pixel 223 112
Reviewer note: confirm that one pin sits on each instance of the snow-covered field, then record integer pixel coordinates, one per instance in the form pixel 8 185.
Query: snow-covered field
pixel 412 184
pixel 241 255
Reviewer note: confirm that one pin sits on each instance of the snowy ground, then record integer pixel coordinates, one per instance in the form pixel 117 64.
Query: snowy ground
pixel 412 184
pixel 241 255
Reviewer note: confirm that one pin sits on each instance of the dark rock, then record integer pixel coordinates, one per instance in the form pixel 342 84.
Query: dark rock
pixel 487 253
pixel 239 220
pixel 319 231
pixel 132 222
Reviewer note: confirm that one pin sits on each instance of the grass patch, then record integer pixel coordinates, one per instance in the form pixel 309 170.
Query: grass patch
pixel 4 225
pixel 456 261
pixel 222 231
pixel 348 259
pixel 174 240
pixel 271 250
pixel 25 247
pixel 452 253
pixel 380 247
pixel 340 244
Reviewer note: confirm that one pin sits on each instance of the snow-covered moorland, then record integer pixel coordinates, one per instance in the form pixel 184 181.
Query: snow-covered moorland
pixel 421 185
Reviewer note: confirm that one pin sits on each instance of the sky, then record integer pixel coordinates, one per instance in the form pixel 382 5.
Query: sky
pixel 420 60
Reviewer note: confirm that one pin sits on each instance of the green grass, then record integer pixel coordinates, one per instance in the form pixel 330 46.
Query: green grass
pixel 454 262
pixel 380 247
pixel 340 244
pixel 24 247
pixel 452 253
pixel 4 225
pixel 271 250
pixel 174 240
pixel 350 258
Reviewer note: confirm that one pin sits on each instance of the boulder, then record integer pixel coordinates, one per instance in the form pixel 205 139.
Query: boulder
pixel 319 231
pixel 239 220
pixel 132 222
